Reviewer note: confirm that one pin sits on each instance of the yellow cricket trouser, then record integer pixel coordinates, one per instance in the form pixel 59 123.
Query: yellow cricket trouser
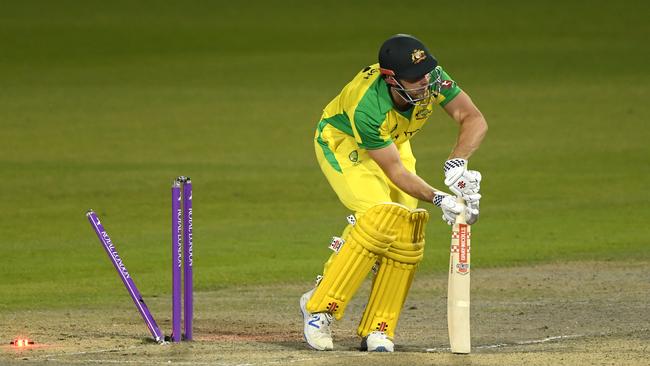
pixel 357 179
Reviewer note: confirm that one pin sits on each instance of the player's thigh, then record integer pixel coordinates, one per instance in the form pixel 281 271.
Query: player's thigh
pixel 396 194
pixel 355 177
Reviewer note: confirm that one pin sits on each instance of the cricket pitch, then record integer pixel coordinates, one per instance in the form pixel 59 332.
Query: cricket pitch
pixel 575 313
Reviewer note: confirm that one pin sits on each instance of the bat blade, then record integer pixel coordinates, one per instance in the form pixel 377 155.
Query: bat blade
pixel 458 289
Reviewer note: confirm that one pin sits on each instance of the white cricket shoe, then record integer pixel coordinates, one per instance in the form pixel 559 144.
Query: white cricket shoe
pixel 317 326
pixel 377 342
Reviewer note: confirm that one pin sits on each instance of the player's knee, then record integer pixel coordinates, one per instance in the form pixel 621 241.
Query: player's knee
pixel 379 226
pixel 408 247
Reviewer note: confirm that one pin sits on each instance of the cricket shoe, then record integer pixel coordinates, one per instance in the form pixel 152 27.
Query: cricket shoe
pixel 317 326
pixel 377 342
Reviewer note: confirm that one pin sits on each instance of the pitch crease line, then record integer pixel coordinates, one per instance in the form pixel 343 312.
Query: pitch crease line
pixel 514 344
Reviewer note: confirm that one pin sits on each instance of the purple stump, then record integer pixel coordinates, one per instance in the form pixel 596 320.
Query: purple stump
pixel 176 262
pixel 124 275
pixel 187 256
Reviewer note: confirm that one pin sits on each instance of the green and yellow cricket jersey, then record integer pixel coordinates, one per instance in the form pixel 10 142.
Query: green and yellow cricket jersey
pixel 364 110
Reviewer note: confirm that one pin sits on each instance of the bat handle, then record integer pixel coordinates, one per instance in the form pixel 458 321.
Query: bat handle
pixel 461 218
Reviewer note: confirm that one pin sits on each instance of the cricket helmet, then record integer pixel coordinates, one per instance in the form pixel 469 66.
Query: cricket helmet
pixel 405 57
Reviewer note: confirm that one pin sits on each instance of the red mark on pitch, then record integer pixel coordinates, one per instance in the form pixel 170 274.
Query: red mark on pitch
pixel 21 342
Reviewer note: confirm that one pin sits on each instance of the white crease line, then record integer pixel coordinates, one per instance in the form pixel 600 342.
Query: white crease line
pixel 514 344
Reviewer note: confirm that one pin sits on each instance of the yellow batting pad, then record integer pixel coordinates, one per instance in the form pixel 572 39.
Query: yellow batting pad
pixel 393 281
pixel 369 238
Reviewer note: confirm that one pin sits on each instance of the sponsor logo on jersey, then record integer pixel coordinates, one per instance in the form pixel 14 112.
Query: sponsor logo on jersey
pixel 446 84
pixel 423 113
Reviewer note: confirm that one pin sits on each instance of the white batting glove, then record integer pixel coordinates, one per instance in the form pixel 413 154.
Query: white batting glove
pixel 472 199
pixel 450 208
pixel 462 182
pixel 472 212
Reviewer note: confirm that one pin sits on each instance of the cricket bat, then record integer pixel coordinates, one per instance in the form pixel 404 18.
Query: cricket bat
pixel 458 285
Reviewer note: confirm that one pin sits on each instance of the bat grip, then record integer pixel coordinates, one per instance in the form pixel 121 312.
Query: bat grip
pixel 461 218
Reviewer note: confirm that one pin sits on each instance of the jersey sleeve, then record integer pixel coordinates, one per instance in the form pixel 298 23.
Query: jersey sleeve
pixel 368 132
pixel 449 89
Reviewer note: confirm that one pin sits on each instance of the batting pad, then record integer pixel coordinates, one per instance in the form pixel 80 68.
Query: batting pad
pixel 369 238
pixel 393 281
pixel 344 236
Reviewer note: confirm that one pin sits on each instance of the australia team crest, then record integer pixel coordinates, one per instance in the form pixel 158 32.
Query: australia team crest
pixel 418 56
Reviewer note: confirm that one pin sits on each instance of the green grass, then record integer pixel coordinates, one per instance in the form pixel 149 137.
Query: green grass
pixel 102 104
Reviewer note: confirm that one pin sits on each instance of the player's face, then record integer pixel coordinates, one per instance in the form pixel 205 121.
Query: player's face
pixel 418 89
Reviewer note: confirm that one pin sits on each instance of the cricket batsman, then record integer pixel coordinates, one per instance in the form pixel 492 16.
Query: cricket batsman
pixel 363 147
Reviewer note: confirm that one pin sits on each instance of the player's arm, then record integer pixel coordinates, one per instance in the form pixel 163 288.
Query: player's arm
pixel 473 126
pixel 389 161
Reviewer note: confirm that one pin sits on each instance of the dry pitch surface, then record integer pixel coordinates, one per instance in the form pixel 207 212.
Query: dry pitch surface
pixel 555 314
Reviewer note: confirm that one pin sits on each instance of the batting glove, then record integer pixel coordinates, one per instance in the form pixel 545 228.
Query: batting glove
pixel 462 182
pixel 472 212
pixel 450 208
